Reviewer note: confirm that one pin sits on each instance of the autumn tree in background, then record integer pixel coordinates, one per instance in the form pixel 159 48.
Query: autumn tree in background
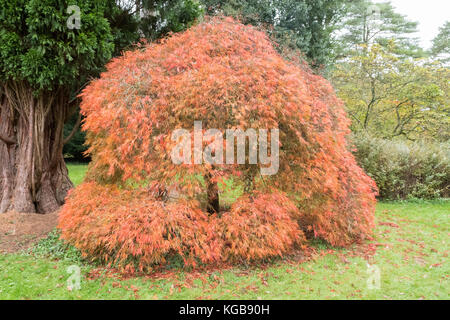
pixel 138 207
pixel 391 97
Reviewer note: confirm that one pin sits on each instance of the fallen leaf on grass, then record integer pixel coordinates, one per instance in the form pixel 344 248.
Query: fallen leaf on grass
pixel 389 224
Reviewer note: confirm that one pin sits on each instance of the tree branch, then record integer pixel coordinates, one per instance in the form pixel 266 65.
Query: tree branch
pixel 74 130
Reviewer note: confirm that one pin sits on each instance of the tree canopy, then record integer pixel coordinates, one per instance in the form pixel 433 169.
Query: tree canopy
pixel 390 97
pixel 36 45
pixel 229 76
pixel 441 43
pixel 304 25
pixel 366 23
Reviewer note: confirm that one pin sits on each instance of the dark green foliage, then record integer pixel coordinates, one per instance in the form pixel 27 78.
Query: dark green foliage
pixel 75 148
pixel 160 17
pixel 124 26
pixel 306 25
pixel 405 170
pixel 36 45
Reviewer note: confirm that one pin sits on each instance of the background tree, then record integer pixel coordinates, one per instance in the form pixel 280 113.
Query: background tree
pixel 388 96
pixel 304 25
pixel 441 44
pixel 366 23
pixel 158 18
pixel 74 149
pixel 42 61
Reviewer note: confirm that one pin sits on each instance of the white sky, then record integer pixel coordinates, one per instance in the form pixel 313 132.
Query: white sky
pixel 431 14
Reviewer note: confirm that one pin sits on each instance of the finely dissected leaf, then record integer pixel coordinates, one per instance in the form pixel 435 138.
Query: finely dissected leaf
pixel 139 208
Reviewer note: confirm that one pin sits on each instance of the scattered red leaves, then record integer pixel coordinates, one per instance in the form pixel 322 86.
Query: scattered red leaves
pixel 389 224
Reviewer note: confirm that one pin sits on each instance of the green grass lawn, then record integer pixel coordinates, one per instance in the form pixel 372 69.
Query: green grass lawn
pixel 77 172
pixel 411 243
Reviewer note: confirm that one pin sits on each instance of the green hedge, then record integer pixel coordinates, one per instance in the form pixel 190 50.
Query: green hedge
pixel 405 170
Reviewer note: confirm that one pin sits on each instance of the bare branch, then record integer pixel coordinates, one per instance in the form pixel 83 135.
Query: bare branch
pixel 74 130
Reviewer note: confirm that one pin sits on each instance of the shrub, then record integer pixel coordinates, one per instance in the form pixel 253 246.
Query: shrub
pixel 229 76
pixel 405 169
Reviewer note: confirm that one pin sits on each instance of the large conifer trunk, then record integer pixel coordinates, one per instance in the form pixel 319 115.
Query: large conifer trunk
pixel 34 177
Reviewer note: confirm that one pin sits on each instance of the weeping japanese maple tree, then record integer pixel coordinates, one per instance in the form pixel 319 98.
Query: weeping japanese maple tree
pixel 139 205
pixel 45 54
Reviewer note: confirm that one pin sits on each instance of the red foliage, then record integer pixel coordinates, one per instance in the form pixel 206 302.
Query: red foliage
pixel 229 76
pixel 136 230
pixel 260 226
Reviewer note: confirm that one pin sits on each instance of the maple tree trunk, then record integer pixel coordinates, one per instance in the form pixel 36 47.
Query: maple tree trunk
pixel 34 177
pixel 213 205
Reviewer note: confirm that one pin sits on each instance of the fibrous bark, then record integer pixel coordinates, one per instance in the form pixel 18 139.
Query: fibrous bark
pixel 34 177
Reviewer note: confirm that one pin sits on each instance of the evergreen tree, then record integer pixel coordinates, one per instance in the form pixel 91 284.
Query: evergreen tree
pixel 367 23
pixel 441 44
pixel 306 25
pixel 48 49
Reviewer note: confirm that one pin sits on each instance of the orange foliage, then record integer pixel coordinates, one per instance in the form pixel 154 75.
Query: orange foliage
pixel 229 76
pixel 135 230
pixel 259 227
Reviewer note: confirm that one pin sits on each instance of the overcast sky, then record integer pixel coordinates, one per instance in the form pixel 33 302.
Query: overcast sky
pixel 431 14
